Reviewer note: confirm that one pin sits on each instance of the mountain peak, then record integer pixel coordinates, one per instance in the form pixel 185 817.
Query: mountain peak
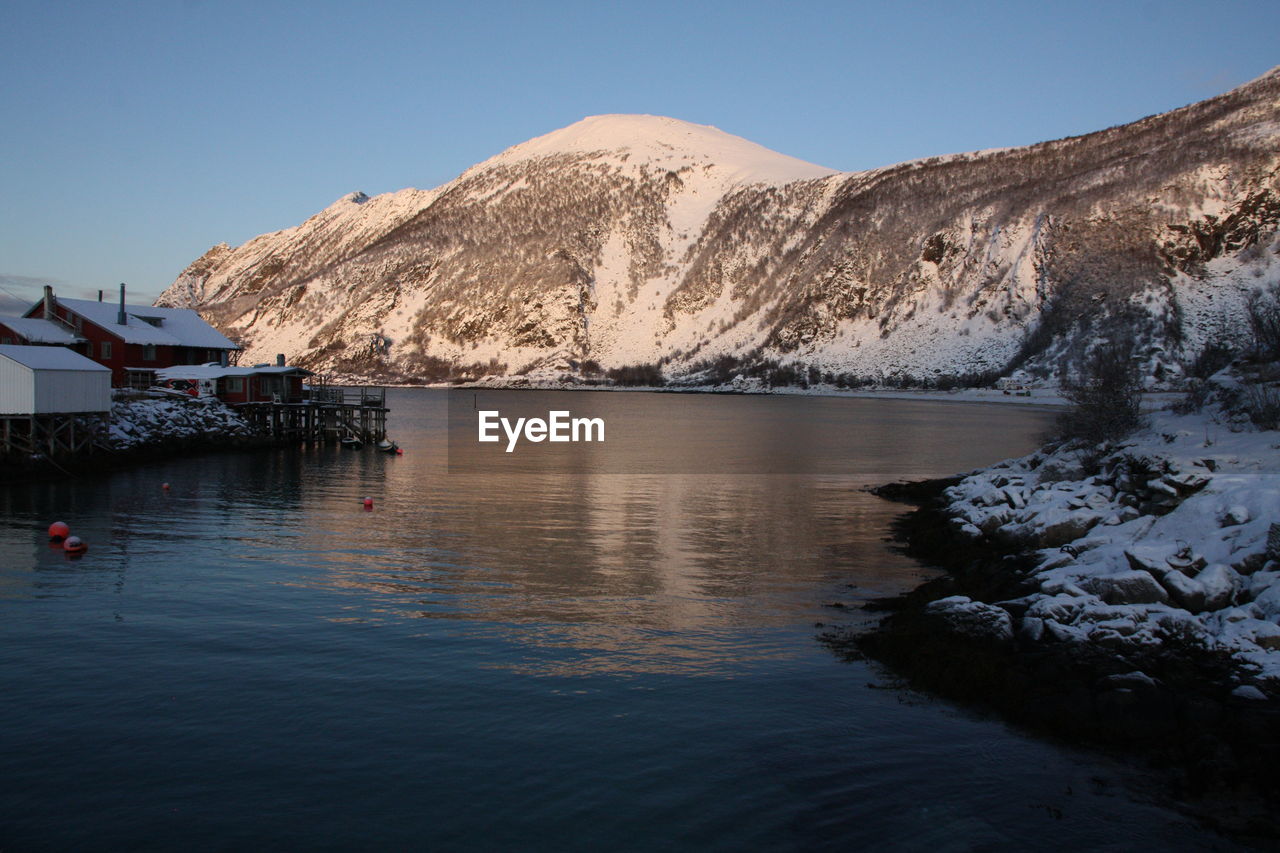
pixel 631 240
pixel 669 142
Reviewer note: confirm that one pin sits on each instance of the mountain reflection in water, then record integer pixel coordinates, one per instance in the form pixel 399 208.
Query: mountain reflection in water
pixel 610 648
pixel 643 572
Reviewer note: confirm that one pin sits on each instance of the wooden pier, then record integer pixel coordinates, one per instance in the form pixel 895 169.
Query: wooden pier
pixel 53 435
pixel 326 414
pixel 329 414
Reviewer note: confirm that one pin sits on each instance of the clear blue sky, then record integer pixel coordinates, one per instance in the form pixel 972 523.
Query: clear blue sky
pixel 138 134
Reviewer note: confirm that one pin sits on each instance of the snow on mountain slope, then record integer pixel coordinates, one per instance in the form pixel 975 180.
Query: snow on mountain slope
pixel 338 231
pixel 668 142
pixel 641 239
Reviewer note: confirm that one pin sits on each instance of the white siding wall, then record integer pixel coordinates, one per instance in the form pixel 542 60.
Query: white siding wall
pixel 27 391
pixel 65 391
pixel 17 388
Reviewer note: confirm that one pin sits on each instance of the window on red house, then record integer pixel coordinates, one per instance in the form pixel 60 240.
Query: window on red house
pixel 106 349
pixel 149 352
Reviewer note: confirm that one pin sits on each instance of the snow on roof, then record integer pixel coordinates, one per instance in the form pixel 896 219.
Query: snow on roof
pixel 40 331
pixel 49 358
pixel 214 371
pixel 177 326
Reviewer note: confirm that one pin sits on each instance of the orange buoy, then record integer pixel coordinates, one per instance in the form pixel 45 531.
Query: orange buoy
pixel 73 545
pixel 59 530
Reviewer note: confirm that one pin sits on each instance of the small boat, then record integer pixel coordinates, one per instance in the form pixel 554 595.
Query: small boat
pixel 388 446
pixel 351 442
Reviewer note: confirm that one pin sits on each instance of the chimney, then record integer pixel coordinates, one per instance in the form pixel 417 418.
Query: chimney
pixel 48 302
pixel 122 319
pixel 280 359
pixel 223 360
pixel 99 295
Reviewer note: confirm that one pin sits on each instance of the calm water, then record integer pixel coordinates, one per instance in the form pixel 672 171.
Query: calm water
pixel 556 659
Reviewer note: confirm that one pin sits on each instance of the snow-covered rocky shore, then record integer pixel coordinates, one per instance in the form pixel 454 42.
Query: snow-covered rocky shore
pixel 1125 596
pixel 1169 537
pixel 142 423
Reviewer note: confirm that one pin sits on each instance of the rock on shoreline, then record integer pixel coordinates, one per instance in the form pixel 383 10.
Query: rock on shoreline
pixel 1168 537
pixel 137 424
pixel 1127 597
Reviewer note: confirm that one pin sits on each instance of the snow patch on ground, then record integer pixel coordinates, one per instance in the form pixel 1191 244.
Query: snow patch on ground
pixel 1169 537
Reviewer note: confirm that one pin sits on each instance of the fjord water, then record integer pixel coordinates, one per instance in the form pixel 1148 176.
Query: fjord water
pixel 551 659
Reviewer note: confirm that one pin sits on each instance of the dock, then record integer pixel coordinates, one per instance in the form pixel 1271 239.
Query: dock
pixel 319 415
pixel 327 413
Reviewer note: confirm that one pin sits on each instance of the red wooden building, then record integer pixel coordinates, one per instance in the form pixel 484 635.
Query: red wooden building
pixel 261 383
pixel 133 340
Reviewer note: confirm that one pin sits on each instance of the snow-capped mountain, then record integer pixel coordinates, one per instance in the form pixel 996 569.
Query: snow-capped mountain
pixel 637 239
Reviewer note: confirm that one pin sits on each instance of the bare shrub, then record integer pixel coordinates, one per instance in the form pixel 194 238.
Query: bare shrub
pixel 1210 360
pixel 1262 404
pixel 721 370
pixel 973 379
pixel 1105 395
pixel 637 374
pixel 1199 393
pixel 1263 309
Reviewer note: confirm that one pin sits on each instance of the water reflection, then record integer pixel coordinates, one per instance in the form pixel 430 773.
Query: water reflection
pixel 224 640
pixel 652 433
pixel 647 572
pixel 592 571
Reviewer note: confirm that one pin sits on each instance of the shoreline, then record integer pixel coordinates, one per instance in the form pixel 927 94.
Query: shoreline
pixel 1173 706
pixel 1044 398
pixel 145 431
pixel 103 462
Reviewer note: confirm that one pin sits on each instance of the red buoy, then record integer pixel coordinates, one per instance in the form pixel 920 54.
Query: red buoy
pixel 73 545
pixel 368 503
pixel 165 486
pixel 59 531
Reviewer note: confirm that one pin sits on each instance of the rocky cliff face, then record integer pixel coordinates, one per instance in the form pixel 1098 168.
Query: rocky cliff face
pixel 634 239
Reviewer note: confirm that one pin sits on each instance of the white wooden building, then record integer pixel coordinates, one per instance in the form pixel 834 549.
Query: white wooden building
pixel 53 401
pixel 51 380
